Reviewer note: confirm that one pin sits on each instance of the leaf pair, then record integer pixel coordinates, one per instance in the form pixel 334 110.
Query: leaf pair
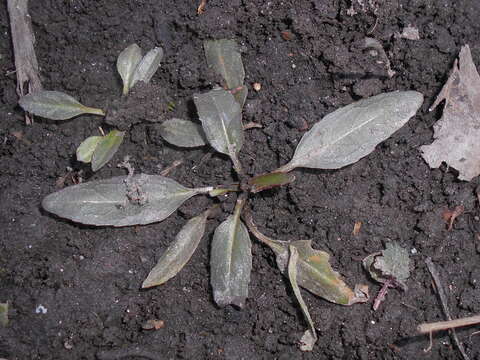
pixel 98 150
pixel 219 110
pixel 230 262
pixel 132 67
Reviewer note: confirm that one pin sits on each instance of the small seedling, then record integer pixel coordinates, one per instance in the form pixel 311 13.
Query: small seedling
pixel 55 105
pixel 340 139
pixel 391 267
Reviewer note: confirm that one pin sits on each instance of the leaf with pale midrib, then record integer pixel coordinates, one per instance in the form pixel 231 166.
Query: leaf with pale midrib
pixel 231 262
pixel 112 201
pixel 55 105
pixel 221 119
pixel 179 252
pixel 127 62
pixel 352 132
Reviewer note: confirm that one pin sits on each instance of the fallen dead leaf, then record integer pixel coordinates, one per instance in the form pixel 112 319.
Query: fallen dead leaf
pixel 456 134
pixel 450 215
pixel 201 7
pixel 153 324
pixel 357 227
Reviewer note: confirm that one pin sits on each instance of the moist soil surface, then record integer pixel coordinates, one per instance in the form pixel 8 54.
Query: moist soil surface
pixel 74 290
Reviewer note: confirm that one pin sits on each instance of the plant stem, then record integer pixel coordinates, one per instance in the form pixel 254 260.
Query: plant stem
pixel 427 328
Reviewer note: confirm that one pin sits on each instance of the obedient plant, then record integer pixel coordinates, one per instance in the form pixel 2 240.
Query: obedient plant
pixel 339 139
pixel 55 105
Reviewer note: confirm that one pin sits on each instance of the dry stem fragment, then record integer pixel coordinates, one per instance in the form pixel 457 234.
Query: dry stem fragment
pixel 26 64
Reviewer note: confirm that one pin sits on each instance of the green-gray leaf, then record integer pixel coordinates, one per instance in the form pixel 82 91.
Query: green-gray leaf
pixel 391 263
pixel 221 120
pixel 86 148
pixel 55 105
pixel 352 132
pixel 120 201
pixel 148 66
pixel 182 133
pixel 106 148
pixel 179 252
pixel 231 262
pixel 309 338
pixel 127 62
pixel 224 58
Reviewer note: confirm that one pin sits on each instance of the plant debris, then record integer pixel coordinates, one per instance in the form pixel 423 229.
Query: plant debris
pixel 450 215
pixel 391 267
pixel 456 134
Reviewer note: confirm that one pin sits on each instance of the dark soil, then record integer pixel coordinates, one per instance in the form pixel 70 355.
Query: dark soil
pixel 88 278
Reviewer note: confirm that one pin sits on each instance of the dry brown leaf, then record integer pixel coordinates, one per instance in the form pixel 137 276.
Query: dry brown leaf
pixel 450 215
pixel 357 227
pixel 457 132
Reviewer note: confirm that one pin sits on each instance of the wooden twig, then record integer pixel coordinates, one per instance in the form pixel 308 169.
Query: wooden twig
pixel 443 300
pixel 445 325
pixel 26 65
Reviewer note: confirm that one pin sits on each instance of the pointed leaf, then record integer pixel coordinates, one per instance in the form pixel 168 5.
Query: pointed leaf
pixel 231 262
pixel 270 180
pixel 120 201
pixel 309 338
pixel 224 58
pixel 352 132
pixel 55 105
pixel 87 147
pixel 106 148
pixel 148 66
pixel 182 133
pixel 127 62
pixel 179 252
pixel 221 119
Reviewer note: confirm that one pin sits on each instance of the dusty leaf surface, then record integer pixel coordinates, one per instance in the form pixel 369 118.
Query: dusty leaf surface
pixel 119 201
pixel 179 252
pixel 456 134
pixel 353 131
pixel 231 262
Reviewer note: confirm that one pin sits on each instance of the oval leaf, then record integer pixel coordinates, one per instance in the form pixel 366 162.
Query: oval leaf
pixel 127 62
pixel 106 148
pixel 55 105
pixel 224 58
pixel 179 252
pixel 120 201
pixel 148 66
pixel 231 262
pixel 352 132
pixel 221 119
pixel 182 133
pixel 86 148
